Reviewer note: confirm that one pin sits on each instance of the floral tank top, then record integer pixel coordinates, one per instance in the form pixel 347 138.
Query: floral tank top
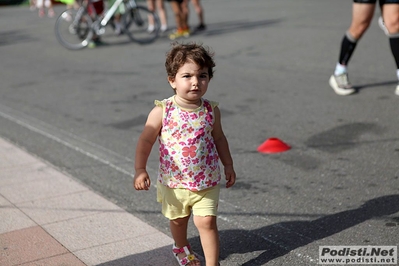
pixel 188 156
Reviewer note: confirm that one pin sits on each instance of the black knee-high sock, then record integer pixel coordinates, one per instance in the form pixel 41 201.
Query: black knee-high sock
pixel 394 42
pixel 348 45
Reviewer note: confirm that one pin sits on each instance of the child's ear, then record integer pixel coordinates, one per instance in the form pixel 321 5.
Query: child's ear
pixel 172 82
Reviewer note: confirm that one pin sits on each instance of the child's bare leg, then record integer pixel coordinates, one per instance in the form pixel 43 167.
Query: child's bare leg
pixel 209 235
pixel 178 228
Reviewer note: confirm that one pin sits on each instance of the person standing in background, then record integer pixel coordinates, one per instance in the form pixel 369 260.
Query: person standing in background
pixel 159 5
pixel 198 10
pixel 182 29
pixel 42 4
pixel 362 14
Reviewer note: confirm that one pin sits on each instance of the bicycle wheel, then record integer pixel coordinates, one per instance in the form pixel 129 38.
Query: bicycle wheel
pixel 73 29
pixel 136 22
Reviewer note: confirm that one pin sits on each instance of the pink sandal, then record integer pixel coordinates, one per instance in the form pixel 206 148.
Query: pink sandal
pixel 187 259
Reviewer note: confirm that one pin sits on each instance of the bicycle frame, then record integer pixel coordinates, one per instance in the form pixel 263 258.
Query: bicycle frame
pixel 90 20
pixel 110 12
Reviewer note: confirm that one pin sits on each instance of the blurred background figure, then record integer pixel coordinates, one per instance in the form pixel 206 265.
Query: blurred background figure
pixel 182 29
pixel 159 5
pixel 198 10
pixel 42 4
pixel 32 5
pixel 362 15
pixel 117 17
pixel 70 4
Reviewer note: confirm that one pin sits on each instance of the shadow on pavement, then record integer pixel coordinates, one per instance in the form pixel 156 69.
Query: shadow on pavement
pixel 278 239
pixel 281 238
pixel 378 84
pixel 234 26
pixel 212 29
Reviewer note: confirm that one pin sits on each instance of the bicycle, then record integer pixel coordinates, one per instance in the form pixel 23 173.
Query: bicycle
pixel 75 28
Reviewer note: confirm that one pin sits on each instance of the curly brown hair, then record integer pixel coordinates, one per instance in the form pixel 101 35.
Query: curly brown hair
pixel 182 53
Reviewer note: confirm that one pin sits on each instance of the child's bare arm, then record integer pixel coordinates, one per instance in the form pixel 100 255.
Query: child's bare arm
pixel 144 145
pixel 222 147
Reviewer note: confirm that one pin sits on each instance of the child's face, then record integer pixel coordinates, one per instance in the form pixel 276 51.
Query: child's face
pixel 190 82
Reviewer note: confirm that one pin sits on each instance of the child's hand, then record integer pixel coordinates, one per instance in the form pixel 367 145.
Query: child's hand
pixel 141 180
pixel 230 175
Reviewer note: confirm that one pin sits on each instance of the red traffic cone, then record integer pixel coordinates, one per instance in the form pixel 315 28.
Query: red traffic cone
pixel 273 145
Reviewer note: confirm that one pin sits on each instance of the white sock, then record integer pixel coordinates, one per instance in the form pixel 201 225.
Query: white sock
pixel 164 27
pixel 340 69
pixel 150 28
pixel 397 73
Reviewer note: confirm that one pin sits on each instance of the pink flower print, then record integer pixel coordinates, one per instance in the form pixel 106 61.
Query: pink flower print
pixel 172 124
pixel 208 183
pixel 190 130
pixel 174 167
pixel 209 145
pixel 193 116
pixel 186 161
pixel 209 119
pixel 189 151
pixel 184 116
pixel 190 174
pixel 209 159
pixel 199 133
pixel 195 161
pixel 176 135
pixel 191 141
pixel 167 164
pixel 164 152
pixel 200 176
pixel 192 185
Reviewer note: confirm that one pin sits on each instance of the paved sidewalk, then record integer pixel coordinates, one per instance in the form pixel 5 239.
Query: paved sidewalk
pixel 48 218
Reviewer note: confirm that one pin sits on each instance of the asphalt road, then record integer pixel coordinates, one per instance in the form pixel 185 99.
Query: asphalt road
pixel 83 111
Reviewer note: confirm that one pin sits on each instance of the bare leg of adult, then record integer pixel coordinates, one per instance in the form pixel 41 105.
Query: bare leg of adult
pixel 391 21
pixel 162 14
pixel 209 235
pixel 362 15
pixel 50 9
pixel 40 6
pixel 200 13
pixel 177 13
pixel 151 7
pixel 181 23
pixel 178 228
pixel 185 14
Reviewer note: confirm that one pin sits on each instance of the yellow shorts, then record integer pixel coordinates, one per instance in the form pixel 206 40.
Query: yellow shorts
pixel 179 202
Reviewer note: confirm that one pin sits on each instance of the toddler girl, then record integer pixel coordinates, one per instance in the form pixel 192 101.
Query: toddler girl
pixel 191 142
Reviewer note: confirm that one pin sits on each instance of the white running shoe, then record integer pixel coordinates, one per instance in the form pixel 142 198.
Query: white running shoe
pixel 397 90
pixel 341 84
pixel 382 26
